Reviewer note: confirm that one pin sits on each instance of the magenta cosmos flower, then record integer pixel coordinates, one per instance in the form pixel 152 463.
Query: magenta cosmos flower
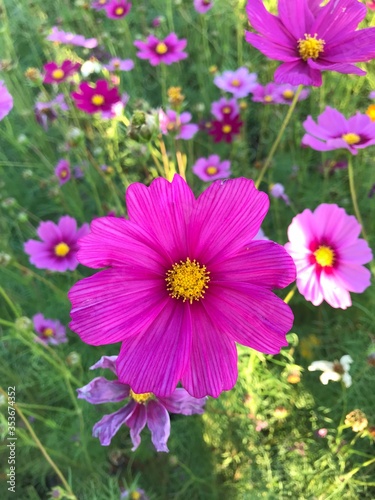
pixel 183 283
pixel 117 9
pixel 310 39
pixel 49 331
pixel 328 255
pixel 62 171
pixel 65 37
pixel 6 101
pixel 226 128
pixel 211 168
pixel 96 97
pixel 334 131
pixel 57 74
pixel 173 123
pixel 140 410
pixel 58 248
pixel 240 82
pixel 225 108
pixel 203 6
pixel 167 51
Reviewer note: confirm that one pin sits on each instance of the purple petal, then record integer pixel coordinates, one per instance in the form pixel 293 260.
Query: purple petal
pixel 106 362
pixel 181 402
pixel 271 49
pixel 136 422
pixel 295 16
pixel 100 390
pixel 298 73
pixel 159 424
pixel 107 427
pixel 49 232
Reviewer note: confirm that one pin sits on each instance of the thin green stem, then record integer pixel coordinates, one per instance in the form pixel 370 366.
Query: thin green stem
pixel 353 195
pixel 9 302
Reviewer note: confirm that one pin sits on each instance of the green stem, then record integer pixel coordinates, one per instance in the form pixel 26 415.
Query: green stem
pixel 354 196
pixel 9 302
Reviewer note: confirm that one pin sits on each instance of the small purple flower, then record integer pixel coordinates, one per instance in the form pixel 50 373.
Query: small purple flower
pixel 372 94
pixel 100 4
pixel 267 94
pixel 172 122
pixel 278 191
pixel 59 246
pixel 117 9
pixel 167 51
pixel 116 64
pixel 140 410
pixel 225 108
pixel 46 112
pixel 65 37
pixel 287 93
pixel 211 168
pixel 49 331
pixel 203 6
pixel 334 131
pixel 137 494
pixel 62 171
pixel 6 101
pixel 240 82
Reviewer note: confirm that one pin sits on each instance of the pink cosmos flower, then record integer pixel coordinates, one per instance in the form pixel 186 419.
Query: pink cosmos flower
pixel 6 101
pixel 100 4
pixel 310 39
pixel 183 282
pixel 334 131
pixel 58 248
pixel 278 191
pixel 172 122
pixel 92 98
pixel 287 93
pixel 62 171
pixel 328 255
pixel 65 37
pixel 225 108
pixel 371 5
pixel 49 331
pixel 203 6
pixel 57 74
pixel 167 51
pixel 117 9
pixel 140 410
pixel 225 129
pixel 240 82
pixel 267 94
pixel 116 64
pixel 211 168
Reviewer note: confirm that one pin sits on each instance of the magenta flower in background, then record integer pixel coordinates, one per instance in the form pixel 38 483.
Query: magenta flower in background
pixel 287 93
pixel 371 5
pixel 310 39
pixel 116 64
pixel 203 6
pixel 267 94
pixel 225 108
pixel 334 131
pixel 173 123
pixel 183 282
pixel 278 191
pixel 62 171
pixel 58 248
pixel 211 168
pixel 100 4
pixel 6 101
pixel 56 73
pixel 240 82
pixel 167 51
pixel 49 331
pixel 95 97
pixel 140 410
pixel 65 37
pixel 329 256
pixel 225 129
pixel 117 9
pixel 46 112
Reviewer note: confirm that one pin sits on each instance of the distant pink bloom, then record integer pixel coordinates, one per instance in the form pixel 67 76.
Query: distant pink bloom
pixel 278 191
pixel 211 168
pixel 100 4
pixel 49 331
pixel 156 22
pixel 329 256
pixel 203 6
pixel 62 171
pixel 96 97
pixel 58 248
pixel 225 108
pixel 267 94
pixel 225 129
pixel 117 9
pixel 334 131
pixel 6 101
pixel 141 409
pixel 116 64
pixel 167 51
pixel 46 112
pixel 65 37
pixel 310 39
pixel 56 73
pixel 173 123
pixel 117 108
pixel 240 82
pixel 182 283
pixel 371 5
pixel 372 94
pixel 287 93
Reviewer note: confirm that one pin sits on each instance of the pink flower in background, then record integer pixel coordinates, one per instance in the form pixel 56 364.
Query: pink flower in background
pixel 49 331
pixel 117 108
pixel 240 82
pixel 287 93
pixel 278 191
pixel 117 9
pixel 6 101
pixel 65 37
pixel 141 409
pixel 100 4
pixel 46 112
pixel 62 171
pixel 371 5
pixel 329 256
pixel 96 97
pixel 225 108
pixel 58 248
pixel 167 51
pixel 183 283
pixel 310 39
pixel 116 64
pixel 203 6
pixel 173 123
pixel 211 168
pixel 267 94
pixel 225 129
pixel 334 131
pixel 56 73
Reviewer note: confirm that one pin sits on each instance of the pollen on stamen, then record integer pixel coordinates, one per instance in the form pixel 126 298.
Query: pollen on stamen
pixel 311 47
pixel 187 280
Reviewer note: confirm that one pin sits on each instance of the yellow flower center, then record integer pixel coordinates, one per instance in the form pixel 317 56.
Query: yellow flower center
pixel 187 280
pixel 57 74
pixel 371 112
pixel 61 249
pixel 97 99
pixel 63 173
pixel 288 94
pixel 311 47
pixel 161 48
pixel 351 138
pixel 135 495
pixel 119 11
pixel 141 398
pixel 48 332
pixel 211 170
pixel 227 129
pixel 268 98
pixel 226 110
pixel 235 83
pixel 324 256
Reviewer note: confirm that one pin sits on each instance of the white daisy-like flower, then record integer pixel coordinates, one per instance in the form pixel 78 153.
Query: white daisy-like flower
pixel 335 371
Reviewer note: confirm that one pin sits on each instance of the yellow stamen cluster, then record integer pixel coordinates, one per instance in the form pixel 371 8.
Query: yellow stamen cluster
pixel 227 129
pixel 57 74
pixel 324 256
pixel 161 48
pixel 61 249
pixel 371 112
pixel 268 98
pixel 235 83
pixel 175 97
pixel 311 47
pixel 288 94
pixel 97 99
pixel 119 11
pixel 226 110
pixel 351 138
pixel 135 495
pixel 187 280
pixel 48 332
pixel 63 174
pixel 211 170
pixel 141 398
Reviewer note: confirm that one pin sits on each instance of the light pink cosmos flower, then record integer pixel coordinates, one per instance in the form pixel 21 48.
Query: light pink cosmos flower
pixel 140 410
pixel 173 123
pixel 167 51
pixel 62 171
pixel 58 248
pixel 6 101
pixel 56 73
pixel 116 64
pixel 203 6
pixel 225 109
pixel 334 131
pixel 100 4
pixel 240 82
pixel 65 37
pixel 96 97
pixel 278 191
pixel 211 168
pixel 117 9
pixel 267 94
pixel 183 283
pixel 49 331
pixel 287 93
pixel 329 256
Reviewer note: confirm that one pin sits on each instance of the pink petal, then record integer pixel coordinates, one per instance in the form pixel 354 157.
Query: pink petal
pixel 357 47
pixel 308 285
pixel 298 73
pixel 353 278
pixel 344 68
pixel 159 424
pixel 336 296
pixel 356 253
pixel 271 49
pixel 335 225
pixel 137 421
pixel 181 402
pixel 67 226
pixel 49 232
pixel 295 16
pixel 100 390
pixel 302 230
pixel 108 362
